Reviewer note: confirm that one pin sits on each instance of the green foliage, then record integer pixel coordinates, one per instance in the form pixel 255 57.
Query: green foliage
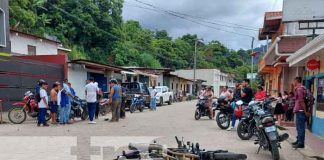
pixel 94 30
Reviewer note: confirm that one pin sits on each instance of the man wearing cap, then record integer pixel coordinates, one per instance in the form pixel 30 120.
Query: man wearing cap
pixel 115 100
pixel 91 91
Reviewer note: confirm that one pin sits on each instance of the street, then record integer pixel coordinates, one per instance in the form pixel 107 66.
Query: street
pixel 105 140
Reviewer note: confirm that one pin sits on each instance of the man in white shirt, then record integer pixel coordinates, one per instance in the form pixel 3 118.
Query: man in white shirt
pixel 153 99
pixel 91 91
pixel 43 105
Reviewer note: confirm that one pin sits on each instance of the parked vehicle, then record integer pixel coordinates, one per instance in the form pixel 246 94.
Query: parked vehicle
pixel 266 131
pixel 224 116
pixel 133 88
pixel 164 95
pixel 28 106
pixel 104 107
pixel 187 150
pixel 137 103
pixel 202 109
pixel 79 109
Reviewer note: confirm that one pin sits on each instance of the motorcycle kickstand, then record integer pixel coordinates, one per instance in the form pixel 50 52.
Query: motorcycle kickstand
pixel 259 149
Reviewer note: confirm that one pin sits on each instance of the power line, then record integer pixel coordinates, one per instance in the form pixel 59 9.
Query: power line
pixel 193 21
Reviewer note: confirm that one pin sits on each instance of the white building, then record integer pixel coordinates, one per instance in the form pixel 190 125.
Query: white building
pixel 213 77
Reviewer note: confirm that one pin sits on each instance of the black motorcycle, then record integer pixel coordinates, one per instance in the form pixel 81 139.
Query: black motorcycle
pixel 202 109
pixel 266 132
pixel 78 108
pixel 224 116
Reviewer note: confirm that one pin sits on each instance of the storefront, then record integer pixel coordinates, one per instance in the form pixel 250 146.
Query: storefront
pixel 311 57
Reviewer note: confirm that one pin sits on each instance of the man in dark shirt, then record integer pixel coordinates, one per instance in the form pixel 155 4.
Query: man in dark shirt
pixel 246 91
pixel 237 92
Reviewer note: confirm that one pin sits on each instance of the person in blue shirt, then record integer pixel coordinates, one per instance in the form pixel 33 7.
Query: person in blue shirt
pixel 72 90
pixel 69 95
pixel 115 100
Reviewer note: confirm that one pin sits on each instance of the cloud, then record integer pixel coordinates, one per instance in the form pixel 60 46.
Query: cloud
pixel 244 12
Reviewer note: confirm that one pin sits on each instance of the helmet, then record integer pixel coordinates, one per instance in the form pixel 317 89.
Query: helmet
pixel 114 81
pixel 41 81
pixel 28 93
pixel 221 99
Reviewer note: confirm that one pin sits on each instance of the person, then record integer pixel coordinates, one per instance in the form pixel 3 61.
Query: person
pixel 246 91
pixel 99 97
pixel 237 92
pixel 202 91
pixel 63 101
pixel 153 99
pixel 285 104
pixel 43 104
pixel 115 100
pixel 91 91
pixel 67 92
pixel 260 95
pixel 225 93
pixel 279 109
pixel 301 113
pixel 123 100
pixel 209 94
pixel 53 103
pixel 71 89
pixel 291 104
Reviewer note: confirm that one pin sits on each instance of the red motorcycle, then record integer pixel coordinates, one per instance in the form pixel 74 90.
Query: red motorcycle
pixel 28 106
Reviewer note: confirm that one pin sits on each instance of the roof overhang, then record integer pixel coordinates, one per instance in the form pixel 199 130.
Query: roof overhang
pixel 98 66
pixel 271 24
pixel 314 49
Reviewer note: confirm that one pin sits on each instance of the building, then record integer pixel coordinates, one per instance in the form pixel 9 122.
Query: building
pixel 29 44
pixel 212 77
pixel 311 56
pixel 179 85
pixel 4 27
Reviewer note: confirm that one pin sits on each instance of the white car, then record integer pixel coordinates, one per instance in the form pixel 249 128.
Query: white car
pixel 163 95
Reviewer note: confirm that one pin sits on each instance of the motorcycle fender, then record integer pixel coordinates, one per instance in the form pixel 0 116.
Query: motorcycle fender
pixel 18 104
pixel 272 136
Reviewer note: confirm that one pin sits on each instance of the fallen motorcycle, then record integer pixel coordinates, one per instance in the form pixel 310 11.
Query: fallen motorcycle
pixel 184 151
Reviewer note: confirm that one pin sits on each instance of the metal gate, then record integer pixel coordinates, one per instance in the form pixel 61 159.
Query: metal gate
pixel 18 75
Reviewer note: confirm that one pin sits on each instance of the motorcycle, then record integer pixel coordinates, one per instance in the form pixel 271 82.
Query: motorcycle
pixel 28 106
pixel 78 108
pixel 268 137
pixel 137 104
pixel 224 116
pixel 202 109
pixel 184 150
pixel 104 106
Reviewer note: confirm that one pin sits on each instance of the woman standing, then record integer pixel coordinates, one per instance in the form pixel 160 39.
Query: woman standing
pixel 291 105
pixel 285 104
pixel 279 110
pixel 209 94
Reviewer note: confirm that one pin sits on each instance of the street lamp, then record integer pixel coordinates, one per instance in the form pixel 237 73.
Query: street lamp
pixel 195 64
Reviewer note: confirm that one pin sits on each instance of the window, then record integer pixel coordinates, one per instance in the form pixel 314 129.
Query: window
pixel 2 28
pixel 31 50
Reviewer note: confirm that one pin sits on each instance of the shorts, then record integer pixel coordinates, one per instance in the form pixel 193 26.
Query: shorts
pixel 53 107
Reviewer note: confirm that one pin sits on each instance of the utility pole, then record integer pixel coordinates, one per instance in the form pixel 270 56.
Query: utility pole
pixel 195 67
pixel 252 57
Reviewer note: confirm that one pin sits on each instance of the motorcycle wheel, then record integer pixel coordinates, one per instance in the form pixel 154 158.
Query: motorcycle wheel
pixel 84 114
pixel 274 150
pixel 197 114
pixel 170 101
pixel 48 115
pixel 132 108
pixel 243 130
pixel 222 120
pixel 17 115
pixel 141 108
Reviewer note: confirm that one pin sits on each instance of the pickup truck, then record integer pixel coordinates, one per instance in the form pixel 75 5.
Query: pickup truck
pixel 133 88
pixel 164 95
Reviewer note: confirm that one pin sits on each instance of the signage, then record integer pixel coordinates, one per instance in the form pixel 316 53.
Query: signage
pixel 251 75
pixel 312 64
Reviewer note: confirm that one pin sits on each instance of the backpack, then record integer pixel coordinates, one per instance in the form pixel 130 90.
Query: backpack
pixel 309 100
pixel 37 94
pixel 238 111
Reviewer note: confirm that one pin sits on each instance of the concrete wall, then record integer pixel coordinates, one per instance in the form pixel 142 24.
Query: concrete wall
pixel 160 80
pixel 77 76
pixel 19 45
pixel 4 8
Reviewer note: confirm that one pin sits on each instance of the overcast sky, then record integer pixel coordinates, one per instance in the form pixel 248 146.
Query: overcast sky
pixel 248 13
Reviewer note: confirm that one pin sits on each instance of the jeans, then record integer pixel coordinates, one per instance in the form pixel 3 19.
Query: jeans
pixel 115 107
pixel 97 110
pixel 68 111
pixel 41 115
pixel 122 108
pixel 234 118
pixel 62 115
pixel 91 110
pixel 153 103
pixel 300 126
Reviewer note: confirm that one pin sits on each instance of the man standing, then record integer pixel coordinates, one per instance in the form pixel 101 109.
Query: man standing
pixel 301 113
pixel 91 91
pixel 67 91
pixel 123 101
pixel 153 99
pixel 246 91
pixel 53 103
pixel 43 104
pixel 71 89
pixel 115 100
pixel 237 92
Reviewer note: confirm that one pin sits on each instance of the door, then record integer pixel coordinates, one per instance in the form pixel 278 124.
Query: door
pixel 101 80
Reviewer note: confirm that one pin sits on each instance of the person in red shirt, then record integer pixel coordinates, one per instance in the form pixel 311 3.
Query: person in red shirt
pixel 260 95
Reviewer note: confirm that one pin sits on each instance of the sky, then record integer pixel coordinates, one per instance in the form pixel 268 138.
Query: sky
pixel 218 15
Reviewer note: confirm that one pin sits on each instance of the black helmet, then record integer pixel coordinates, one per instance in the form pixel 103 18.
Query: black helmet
pixel 221 99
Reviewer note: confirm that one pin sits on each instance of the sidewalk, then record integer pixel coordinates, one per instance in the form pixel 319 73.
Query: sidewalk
pixel 313 145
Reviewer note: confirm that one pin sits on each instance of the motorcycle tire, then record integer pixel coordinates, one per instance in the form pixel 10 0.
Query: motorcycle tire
pixel 197 114
pixel 243 130
pixel 19 117
pixel 132 108
pixel 222 118
pixel 274 150
pixel 84 115
pixel 48 115
pixel 141 108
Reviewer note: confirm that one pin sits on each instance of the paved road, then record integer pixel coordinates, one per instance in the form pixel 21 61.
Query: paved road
pixel 103 140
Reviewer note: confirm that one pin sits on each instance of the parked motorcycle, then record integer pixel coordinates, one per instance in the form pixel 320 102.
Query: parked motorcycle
pixel 202 109
pixel 266 131
pixel 224 116
pixel 184 150
pixel 137 104
pixel 104 106
pixel 28 106
pixel 79 108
